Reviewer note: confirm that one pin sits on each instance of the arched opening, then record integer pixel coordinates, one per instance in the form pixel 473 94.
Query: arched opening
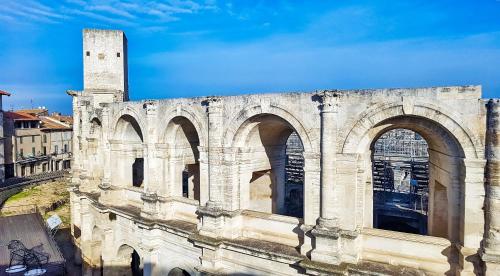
pixel 131 260
pixel 400 168
pixel 183 166
pixel 128 153
pixel 443 211
pixel 271 168
pixel 178 272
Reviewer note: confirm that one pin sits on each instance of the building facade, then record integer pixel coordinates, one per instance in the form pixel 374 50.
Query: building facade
pixel 132 213
pixel 36 143
pixel 2 137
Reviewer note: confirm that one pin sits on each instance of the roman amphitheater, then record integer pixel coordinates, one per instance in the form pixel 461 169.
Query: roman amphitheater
pixel 196 186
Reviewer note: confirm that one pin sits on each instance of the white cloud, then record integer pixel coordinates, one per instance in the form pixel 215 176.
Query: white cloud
pixel 144 13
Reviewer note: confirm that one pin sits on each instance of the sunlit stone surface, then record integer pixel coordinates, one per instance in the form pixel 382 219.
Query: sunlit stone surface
pixel 198 186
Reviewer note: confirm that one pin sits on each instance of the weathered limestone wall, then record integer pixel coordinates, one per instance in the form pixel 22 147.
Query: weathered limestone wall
pixel 233 226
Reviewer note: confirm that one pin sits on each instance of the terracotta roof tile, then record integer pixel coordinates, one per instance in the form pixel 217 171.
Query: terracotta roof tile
pixel 35 111
pixel 21 116
pixel 4 93
pixel 51 124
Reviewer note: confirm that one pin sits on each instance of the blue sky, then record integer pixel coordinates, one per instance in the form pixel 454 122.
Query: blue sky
pixel 193 48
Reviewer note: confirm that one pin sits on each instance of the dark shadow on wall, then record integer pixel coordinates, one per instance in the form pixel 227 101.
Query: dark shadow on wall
pixel 138 172
pixel 127 271
pixel 456 264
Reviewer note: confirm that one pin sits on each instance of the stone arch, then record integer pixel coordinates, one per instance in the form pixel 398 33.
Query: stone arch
pixel 129 261
pixel 128 152
pixel 449 145
pixel 357 138
pixel 182 164
pixel 130 115
pixel 230 134
pixel 177 271
pixel 128 129
pixel 192 117
pixel 262 140
pixel 95 124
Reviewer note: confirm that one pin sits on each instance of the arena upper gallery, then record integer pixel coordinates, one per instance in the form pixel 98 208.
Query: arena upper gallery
pixel 195 186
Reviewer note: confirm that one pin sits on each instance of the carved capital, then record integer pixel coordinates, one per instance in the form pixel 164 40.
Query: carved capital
pixel 213 104
pixel 329 101
pixel 150 107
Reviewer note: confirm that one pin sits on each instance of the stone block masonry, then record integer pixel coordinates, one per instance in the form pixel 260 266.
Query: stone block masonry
pixel 192 206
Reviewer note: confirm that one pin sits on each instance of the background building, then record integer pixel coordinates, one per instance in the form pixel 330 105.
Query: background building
pixel 36 142
pixel 2 138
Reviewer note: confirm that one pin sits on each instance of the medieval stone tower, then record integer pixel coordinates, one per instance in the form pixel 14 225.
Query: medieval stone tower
pixel 105 73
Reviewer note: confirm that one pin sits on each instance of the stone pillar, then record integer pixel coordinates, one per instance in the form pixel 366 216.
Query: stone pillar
pixel 151 165
pixel 491 252
pixel 86 236
pixel 212 215
pixel 107 194
pixel 312 179
pixel 204 174
pixel 330 196
pixel 326 232
pixel 85 174
pixel 75 181
pixel 106 180
pixel 215 153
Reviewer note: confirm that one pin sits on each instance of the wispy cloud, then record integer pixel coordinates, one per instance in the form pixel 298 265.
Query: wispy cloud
pixel 30 10
pixel 144 13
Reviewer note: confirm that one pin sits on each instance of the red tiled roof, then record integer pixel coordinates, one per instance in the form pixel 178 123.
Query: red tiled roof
pixel 65 119
pixel 21 116
pixel 36 111
pixel 4 93
pixel 48 124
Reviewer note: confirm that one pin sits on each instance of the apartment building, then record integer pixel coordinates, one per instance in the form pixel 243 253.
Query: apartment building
pixel 36 142
pixel 2 137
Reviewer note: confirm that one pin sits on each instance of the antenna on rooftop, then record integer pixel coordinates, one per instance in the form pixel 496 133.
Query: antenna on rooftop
pixel 31 101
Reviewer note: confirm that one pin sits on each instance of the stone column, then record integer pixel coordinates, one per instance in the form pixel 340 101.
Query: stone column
pixel 491 254
pixel 75 181
pixel 212 216
pixel 151 165
pixel 326 232
pixel 312 180
pixel 204 174
pixel 85 174
pixel 86 235
pixel 106 180
pixel 107 195
pixel 330 197
pixel 215 154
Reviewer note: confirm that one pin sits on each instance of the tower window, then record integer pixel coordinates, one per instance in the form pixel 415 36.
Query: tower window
pixel 117 54
pixel 87 53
